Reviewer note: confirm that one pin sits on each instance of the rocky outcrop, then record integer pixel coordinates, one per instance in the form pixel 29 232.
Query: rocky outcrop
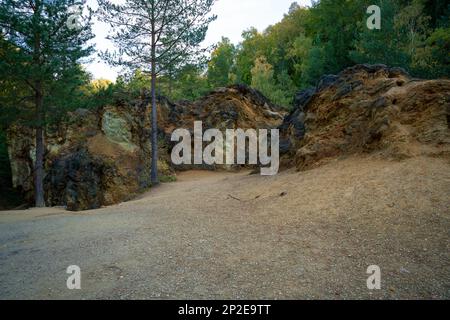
pixel 102 157
pixel 236 106
pixel 367 109
pixel 93 158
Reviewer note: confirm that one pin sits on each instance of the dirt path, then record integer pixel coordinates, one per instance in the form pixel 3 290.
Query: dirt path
pixel 229 236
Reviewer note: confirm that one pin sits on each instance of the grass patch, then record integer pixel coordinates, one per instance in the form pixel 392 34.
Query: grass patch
pixel 167 179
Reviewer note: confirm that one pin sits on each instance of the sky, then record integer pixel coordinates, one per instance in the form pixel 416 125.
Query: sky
pixel 233 17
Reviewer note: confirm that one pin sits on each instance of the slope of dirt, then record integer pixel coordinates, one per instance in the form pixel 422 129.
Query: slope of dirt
pixel 226 235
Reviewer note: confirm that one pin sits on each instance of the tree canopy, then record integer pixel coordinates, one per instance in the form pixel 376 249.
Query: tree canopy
pixel 322 39
pixel 41 50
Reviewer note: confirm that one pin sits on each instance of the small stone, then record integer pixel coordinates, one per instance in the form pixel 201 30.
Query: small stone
pixel 403 270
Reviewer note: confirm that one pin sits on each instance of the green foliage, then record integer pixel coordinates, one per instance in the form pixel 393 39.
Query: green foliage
pixel 159 34
pixel 248 51
pixel 287 56
pixel 168 179
pixel 325 38
pixel 221 63
pixel 40 57
pixel 189 84
pixel 262 75
pixel 408 38
pixel 381 46
pixel 433 59
pixel 332 25
pixel 98 93
pixel 263 80
pixel 332 35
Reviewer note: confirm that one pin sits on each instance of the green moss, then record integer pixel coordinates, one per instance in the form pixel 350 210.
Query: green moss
pixel 167 179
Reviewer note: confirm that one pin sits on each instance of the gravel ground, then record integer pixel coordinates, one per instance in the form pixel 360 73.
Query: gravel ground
pixel 235 236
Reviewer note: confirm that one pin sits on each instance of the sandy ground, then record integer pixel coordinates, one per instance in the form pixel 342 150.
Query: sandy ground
pixel 233 236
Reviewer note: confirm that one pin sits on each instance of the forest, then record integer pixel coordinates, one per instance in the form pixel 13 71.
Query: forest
pixel 310 42
pixel 291 55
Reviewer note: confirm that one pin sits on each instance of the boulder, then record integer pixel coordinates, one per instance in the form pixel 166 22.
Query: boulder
pixel 368 109
pixel 92 159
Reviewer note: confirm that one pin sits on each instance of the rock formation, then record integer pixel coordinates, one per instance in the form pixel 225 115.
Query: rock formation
pixel 102 157
pixel 367 109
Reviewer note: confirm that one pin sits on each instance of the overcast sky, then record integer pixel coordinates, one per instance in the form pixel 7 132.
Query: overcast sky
pixel 234 16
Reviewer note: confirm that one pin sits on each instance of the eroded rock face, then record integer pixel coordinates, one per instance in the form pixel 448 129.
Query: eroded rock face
pixel 94 158
pixel 228 108
pixel 103 157
pixel 75 179
pixel 234 107
pixel 368 109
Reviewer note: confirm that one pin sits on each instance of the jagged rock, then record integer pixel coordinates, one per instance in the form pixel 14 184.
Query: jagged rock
pixel 75 180
pixel 369 109
pixel 233 107
pixel 236 106
pixel 293 127
pixel 326 81
pixel 118 129
pixel 303 97
pixel 96 158
pixel 102 157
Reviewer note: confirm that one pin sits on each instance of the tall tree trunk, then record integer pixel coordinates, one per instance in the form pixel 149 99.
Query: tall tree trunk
pixel 39 163
pixel 170 82
pixel 154 173
pixel 154 170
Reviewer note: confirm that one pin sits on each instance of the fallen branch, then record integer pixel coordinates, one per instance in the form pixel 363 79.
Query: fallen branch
pixel 234 198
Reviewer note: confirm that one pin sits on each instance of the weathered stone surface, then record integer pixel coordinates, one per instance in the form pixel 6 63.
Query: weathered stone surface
pixel 237 106
pixel 75 180
pixel 102 157
pixel 118 129
pixel 94 158
pixel 303 97
pixel 369 109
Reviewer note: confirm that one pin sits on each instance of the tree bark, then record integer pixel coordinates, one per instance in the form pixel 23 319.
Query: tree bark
pixel 170 82
pixel 39 163
pixel 154 140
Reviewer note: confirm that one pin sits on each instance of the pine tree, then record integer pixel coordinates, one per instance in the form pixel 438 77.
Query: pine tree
pixel 153 35
pixel 42 44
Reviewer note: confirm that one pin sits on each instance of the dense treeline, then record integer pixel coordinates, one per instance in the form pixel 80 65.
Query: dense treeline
pixel 309 42
pixel 290 55
pixel 323 39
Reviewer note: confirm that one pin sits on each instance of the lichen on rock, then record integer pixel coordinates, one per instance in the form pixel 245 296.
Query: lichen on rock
pixel 118 129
